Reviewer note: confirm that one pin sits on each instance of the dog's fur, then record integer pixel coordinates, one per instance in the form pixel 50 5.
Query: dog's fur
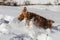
pixel 38 20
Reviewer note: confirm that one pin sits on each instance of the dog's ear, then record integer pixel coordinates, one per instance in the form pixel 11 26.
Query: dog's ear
pixel 24 9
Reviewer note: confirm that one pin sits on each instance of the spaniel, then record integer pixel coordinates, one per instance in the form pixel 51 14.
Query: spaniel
pixel 38 20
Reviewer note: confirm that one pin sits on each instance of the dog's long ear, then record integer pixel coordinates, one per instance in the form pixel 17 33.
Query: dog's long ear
pixel 24 9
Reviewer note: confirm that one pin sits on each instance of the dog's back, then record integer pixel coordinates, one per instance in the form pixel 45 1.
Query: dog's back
pixel 40 21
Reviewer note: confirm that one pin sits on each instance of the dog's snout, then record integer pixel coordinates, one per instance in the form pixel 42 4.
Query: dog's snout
pixel 18 18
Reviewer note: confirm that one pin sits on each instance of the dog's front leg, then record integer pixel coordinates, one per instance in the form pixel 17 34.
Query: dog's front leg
pixel 27 23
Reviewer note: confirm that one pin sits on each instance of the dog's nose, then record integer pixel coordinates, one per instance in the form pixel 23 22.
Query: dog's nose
pixel 18 18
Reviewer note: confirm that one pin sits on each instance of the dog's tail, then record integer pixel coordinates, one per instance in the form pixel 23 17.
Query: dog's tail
pixel 57 27
pixel 51 21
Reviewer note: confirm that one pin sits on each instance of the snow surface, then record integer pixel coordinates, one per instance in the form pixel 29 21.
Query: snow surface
pixel 16 30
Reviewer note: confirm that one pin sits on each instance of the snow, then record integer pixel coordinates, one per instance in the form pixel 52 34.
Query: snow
pixel 8 18
pixel 4 28
pixel 44 37
pixel 18 30
pixel 54 8
pixel 1 16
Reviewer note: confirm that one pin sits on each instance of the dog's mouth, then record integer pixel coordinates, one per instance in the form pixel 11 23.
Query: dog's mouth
pixel 18 18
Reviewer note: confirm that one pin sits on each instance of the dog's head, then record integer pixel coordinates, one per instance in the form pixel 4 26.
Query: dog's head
pixel 21 17
pixel 23 14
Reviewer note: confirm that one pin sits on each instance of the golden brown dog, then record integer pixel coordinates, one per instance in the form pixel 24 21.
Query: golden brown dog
pixel 38 20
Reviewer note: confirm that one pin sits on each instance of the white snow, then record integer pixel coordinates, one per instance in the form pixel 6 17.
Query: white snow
pixel 1 16
pixel 4 29
pixel 44 37
pixel 8 18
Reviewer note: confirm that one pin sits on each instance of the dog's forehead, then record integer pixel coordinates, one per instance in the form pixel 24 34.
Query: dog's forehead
pixel 25 8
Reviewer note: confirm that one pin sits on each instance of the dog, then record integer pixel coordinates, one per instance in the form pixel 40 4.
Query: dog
pixel 38 20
